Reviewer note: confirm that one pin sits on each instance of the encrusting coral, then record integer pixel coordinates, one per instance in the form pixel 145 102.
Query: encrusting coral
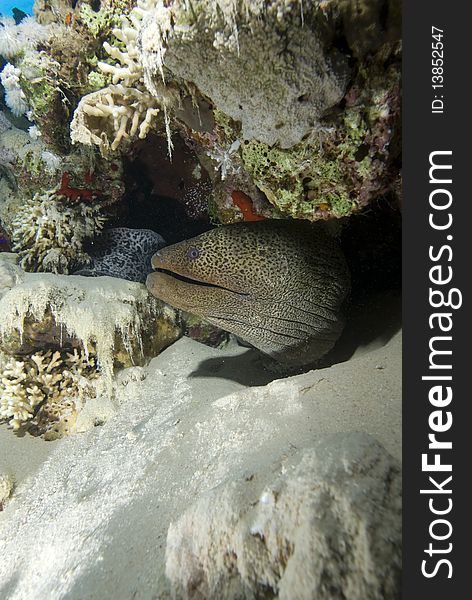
pixel 261 63
pixel 315 129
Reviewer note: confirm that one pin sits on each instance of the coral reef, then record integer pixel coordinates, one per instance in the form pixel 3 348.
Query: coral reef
pixel 32 81
pixel 124 109
pixel 330 527
pixel 222 74
pixel 51 203
pixel 15 39
pixel 44 391
pixel 285 71
pixel 336 147
pixel 48 234
pixel 115 320
pixel 106 117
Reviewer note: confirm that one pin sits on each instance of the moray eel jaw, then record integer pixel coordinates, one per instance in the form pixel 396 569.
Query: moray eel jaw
pixel 165 267
pixel 164 264
pixel 187 293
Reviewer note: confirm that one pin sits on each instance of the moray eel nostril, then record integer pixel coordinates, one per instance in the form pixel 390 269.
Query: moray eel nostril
pixel 276 284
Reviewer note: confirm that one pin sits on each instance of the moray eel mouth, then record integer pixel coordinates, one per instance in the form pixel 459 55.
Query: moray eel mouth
pixel 166 275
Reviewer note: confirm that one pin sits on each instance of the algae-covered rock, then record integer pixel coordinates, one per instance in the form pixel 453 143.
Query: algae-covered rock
pixel 306 98
pixel 264 64
pixel 342 165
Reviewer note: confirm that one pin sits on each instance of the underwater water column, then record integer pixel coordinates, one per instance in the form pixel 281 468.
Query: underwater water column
pixel 6 6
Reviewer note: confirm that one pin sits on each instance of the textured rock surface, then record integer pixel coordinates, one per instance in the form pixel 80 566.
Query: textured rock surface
pixel 261 63
pixel 328 527
pixel 50 203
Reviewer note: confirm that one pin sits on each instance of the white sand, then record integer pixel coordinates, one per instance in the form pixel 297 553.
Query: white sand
pixel 91 521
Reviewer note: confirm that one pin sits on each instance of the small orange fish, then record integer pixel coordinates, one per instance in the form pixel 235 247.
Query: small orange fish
pixel 324 206
pixel 68 19
pixel 244 203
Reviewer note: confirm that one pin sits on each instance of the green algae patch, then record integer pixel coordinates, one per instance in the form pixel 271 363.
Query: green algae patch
pixel 100 22
pixel 302 182
pixel 345 162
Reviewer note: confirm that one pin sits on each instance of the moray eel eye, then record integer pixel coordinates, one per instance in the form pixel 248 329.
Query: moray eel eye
pixel 193 253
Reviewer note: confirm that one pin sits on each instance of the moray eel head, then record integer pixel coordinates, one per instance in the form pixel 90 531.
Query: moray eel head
pixel 277 284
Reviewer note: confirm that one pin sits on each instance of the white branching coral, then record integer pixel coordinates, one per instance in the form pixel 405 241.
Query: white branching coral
pixel 14 39
pixel 106 117
pixel 45 390
pixel 124 109
pixel 15 98
pixel 48 233
pixel 226 159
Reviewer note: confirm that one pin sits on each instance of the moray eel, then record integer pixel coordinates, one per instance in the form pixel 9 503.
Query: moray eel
pixel 122 252
pixel 276 284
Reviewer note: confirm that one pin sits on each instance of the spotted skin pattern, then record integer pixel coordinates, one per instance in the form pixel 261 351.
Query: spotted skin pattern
pixel 123 252
pixel 276 284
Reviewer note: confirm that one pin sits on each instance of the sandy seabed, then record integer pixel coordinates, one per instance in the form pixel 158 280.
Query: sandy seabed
pixel 90 513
